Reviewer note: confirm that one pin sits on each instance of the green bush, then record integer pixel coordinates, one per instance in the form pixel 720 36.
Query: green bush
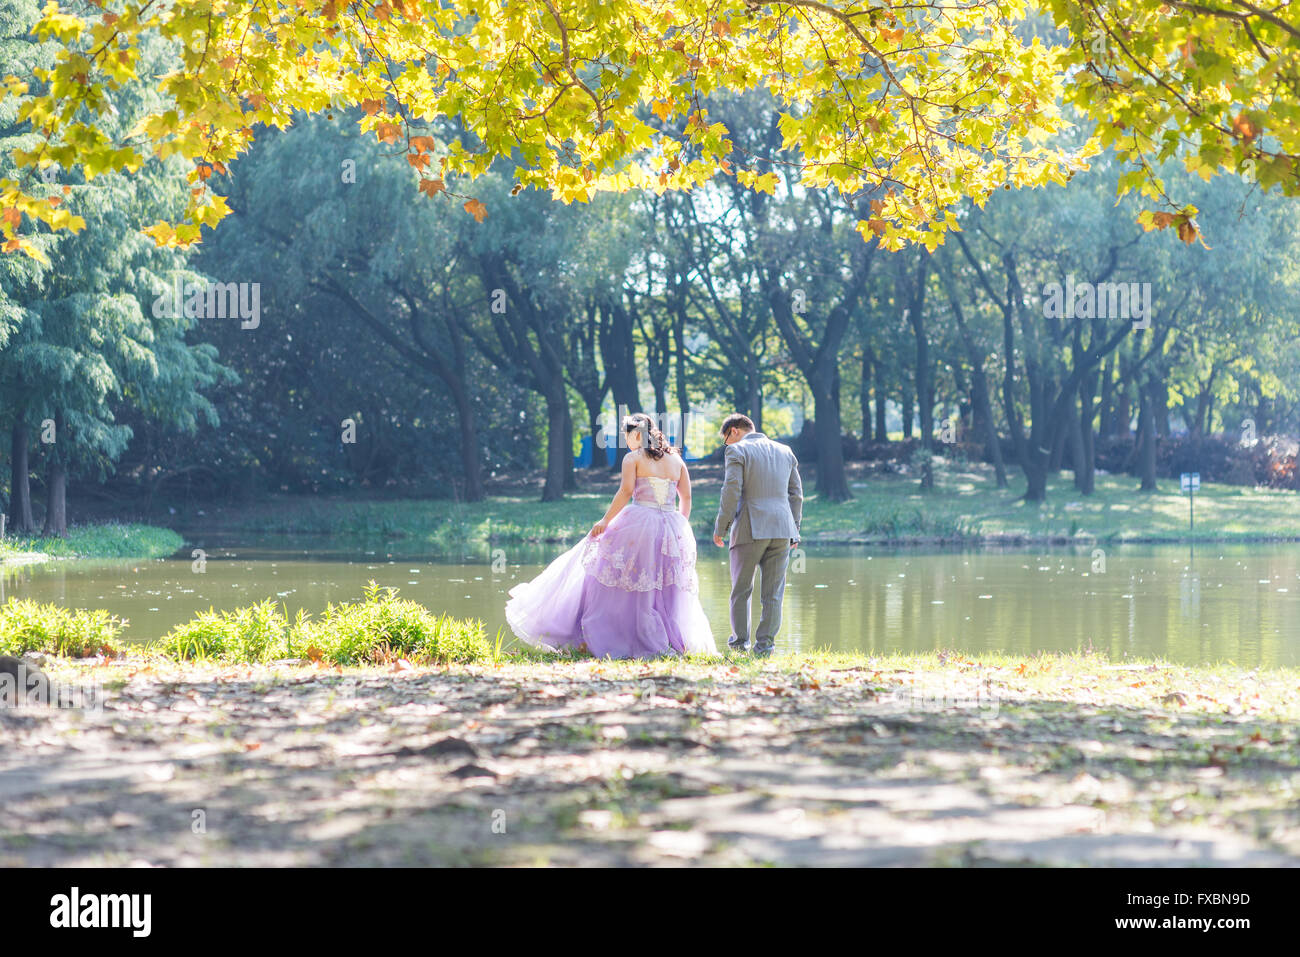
pixel 256 633
pixel 29 626
pixel 383 627
pixel 379 628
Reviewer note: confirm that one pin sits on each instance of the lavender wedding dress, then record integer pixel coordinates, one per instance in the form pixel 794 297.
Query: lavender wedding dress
pixel 631 593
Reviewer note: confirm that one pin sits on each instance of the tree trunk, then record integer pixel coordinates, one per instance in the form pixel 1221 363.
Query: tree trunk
pixel 1160 406
pixel 20 489
pixel 1197 425
pixel 56 509
pixel 832 483
pixel 618 355
pixel 984 413
pixel 679 368
pixel 924 388
pixel 1035 469
pixel 469 456
pixel 56 504
pixel 599 459
pixel 749 400
pixel 559 457
pixel 864 394
pixel 1078 454
pixel 908 413
pixel 1106 405
pixel 570 472
pixel 882 433
pixel 1147 438
pixel 1123 413
pixel 661 396
pixel 1085 470
pixel 924 380
pixel 1059 440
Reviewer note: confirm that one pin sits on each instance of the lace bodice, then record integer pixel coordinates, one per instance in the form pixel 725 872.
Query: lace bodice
pixel 654 492
pixel 648 546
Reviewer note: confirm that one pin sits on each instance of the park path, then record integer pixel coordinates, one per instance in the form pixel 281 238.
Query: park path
pixel 580 763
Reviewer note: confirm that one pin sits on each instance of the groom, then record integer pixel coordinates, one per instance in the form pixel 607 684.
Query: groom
pixel 762 500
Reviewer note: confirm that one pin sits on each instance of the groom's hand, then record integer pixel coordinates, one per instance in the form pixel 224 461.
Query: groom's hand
pixel 717 540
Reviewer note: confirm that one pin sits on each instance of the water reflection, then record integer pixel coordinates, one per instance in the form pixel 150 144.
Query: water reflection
pixel 1231 603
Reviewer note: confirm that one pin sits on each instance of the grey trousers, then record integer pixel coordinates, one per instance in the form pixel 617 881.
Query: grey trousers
pixel 772 556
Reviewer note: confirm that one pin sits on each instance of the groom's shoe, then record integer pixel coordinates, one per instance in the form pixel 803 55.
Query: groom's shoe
pixel 764 649
pixel 735 647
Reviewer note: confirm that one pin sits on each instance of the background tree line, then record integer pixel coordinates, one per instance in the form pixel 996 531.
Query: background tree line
pixel 460 351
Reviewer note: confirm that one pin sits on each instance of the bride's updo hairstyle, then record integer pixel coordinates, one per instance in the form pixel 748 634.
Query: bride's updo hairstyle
pixel 653 441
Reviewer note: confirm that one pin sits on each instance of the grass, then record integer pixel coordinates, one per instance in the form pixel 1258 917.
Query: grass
pixel 965 507
pixel 1084 677
pixel 107 540
pixel 380 628
pixel 1116 512
pixel 28 626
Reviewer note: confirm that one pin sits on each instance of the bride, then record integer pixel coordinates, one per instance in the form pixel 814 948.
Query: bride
pixel 629 588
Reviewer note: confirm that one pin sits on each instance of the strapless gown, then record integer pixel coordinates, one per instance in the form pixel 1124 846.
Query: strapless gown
pixel 631 593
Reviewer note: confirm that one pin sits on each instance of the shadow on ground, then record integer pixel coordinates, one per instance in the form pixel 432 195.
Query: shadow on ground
pixel 554 764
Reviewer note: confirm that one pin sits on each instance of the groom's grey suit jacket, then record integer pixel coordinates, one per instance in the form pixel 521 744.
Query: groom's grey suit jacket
pixel 762 496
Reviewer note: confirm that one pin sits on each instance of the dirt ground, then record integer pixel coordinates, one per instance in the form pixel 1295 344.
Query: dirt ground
pixel 776 762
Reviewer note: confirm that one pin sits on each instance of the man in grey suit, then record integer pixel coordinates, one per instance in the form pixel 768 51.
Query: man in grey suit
pixel 761 505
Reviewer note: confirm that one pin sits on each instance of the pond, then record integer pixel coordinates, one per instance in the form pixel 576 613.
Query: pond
pixel 1238 603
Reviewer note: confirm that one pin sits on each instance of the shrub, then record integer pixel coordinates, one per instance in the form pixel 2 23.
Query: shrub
pixel 1213 456
pixel 1274 461
pixel 379 628
pixel 383 627
pixel 256 633
pixel 29 626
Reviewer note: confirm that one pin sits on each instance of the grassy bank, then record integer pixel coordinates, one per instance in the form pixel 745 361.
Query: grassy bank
pixel 108 540
pixel 379 629
pixel 966 507
pixel 941 679
pixel 940 760
pixel 382 629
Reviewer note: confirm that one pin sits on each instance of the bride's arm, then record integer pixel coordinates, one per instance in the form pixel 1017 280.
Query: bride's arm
pixel 621 497
pixel 684 490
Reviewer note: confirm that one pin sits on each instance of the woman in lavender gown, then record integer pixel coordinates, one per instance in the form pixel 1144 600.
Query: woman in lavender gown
pixel 629 588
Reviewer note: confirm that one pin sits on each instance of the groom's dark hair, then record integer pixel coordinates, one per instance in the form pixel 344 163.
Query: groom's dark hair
pixel 737 421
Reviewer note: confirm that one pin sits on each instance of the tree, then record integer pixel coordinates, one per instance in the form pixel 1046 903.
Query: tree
pixel 393 268
pixel 977 347
pixel 1014 248
pixel 20 277
pixel 1214 86
pixel 536 279
pixel 592 95
pixel 91 334
pixel 712 255
pixel 814 287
